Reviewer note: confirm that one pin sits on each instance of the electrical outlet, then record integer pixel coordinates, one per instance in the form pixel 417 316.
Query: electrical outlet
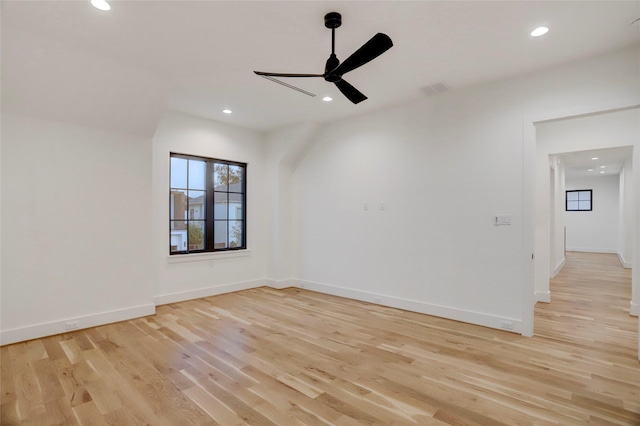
pixel 71 325
pixel 506 325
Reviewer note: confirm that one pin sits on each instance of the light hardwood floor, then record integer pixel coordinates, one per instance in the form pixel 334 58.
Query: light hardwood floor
pixel 295 357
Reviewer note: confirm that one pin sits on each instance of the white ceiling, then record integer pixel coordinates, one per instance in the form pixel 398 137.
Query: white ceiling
pixel 67 60
pixel 609 162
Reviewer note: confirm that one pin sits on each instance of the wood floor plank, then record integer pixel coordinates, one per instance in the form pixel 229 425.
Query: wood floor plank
pixel 9 414
pixel 220 413
pixel 242 405
pixel 88 414
pixel 295 357
pixel 60 413
pixel 7 385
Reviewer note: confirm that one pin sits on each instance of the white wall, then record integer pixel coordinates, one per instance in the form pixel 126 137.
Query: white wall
pixel 285 148
pixel 556 212
pixel 185 277
pixel 626 213
pixel 442 167
pixel 595 230
pixel 75 228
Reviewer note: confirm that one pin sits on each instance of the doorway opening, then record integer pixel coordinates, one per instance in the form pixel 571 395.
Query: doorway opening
pixel 562 148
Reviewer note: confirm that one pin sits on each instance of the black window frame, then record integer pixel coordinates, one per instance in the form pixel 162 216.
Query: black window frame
pixel 566 200
pixel 209 208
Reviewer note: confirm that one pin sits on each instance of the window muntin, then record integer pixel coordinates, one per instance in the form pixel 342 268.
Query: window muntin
pixel 207 205
pixel 579 200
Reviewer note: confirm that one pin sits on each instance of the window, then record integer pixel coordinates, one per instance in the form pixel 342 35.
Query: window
pixel 579 200
pixel 206 205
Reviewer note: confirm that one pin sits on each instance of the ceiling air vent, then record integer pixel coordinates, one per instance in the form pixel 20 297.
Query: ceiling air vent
pixel 436 88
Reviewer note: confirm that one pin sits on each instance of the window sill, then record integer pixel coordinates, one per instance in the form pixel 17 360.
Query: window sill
pixel 201 257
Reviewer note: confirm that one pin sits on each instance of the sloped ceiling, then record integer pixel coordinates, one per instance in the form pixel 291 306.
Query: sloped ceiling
pixel 121 69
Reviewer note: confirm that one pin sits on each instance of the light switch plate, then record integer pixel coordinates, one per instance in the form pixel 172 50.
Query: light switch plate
pixel 502 219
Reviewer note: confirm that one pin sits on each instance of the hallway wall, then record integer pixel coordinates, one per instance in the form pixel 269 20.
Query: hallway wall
pixel 596 230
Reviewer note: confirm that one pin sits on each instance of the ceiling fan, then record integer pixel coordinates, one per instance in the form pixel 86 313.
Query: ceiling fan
pixel 334 70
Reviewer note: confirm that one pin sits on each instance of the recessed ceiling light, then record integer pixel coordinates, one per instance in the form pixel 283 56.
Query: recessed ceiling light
pixel 590 170
pixel 602 171
pixel 602 167
pixel 540 31
pixel 227 111
pixel 327 99
pixel 101 4
pixel 594 158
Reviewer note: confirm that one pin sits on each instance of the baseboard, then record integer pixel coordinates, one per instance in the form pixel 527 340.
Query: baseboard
pixel 57 327
pixel 280 284
pixel 634 309
pixel 559 267
pixel 623 262
pixel 543 296
pixel 181 296
pixel 592 250
pixel 507 324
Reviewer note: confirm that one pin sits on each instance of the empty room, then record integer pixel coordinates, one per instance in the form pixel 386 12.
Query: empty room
pixel 319 212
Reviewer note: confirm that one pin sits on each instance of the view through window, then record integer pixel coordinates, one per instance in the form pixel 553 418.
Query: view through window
pixel 207 204
pixel 578 200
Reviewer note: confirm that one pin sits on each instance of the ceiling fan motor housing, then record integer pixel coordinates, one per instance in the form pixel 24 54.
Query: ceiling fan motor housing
pixel 332 64
pixel 332 20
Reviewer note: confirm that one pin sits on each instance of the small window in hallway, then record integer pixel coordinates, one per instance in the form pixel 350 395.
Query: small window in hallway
pixel 579 200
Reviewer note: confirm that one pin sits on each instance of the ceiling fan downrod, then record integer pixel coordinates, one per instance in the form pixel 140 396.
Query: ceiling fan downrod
pixel 332 20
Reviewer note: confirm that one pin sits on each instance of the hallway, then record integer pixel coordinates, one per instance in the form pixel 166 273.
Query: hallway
pixel 590 306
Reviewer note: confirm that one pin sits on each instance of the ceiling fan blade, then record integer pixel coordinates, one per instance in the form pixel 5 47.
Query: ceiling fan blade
pixel 290 86
pixel 353 94
pixel 376 46
pixel 277 74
